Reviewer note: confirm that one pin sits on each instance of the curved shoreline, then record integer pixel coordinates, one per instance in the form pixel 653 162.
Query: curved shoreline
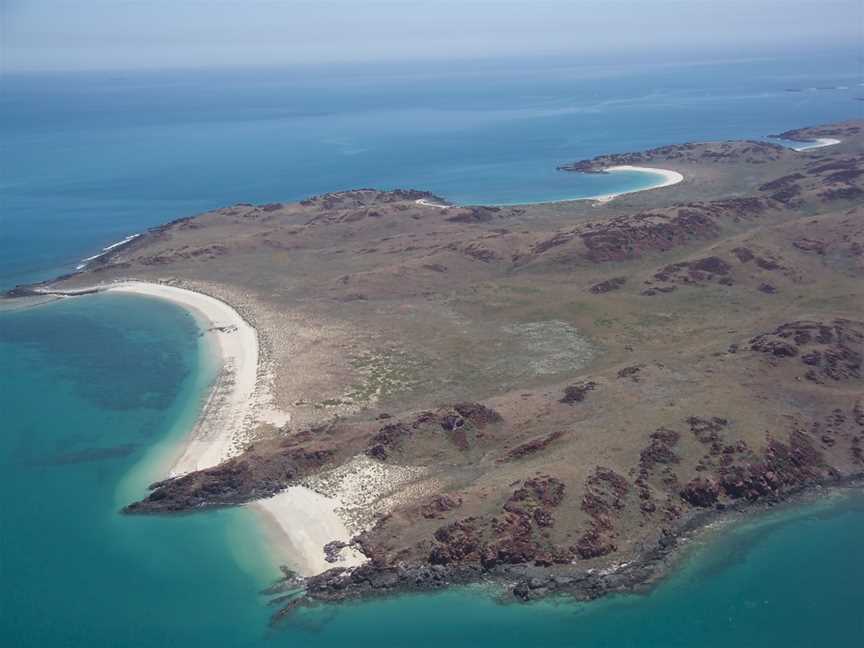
pixel 222 429
pixel 224 426
pixel 303 519
pixel 819 142
pixel 668 176
pixel 298 522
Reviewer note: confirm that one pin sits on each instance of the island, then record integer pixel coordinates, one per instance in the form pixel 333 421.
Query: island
pixel 548 397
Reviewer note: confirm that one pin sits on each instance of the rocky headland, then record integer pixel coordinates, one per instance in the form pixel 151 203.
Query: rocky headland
pixel 545 397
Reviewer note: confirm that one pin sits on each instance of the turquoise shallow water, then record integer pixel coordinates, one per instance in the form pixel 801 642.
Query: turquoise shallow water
pixel 96 391
pixel 790 580
pixel 90 158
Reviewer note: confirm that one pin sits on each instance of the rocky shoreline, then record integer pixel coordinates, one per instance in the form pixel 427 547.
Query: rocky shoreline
pixel 525 583
pixel 479 441
pixel 107 259
pixel 748 151
pixel 811 133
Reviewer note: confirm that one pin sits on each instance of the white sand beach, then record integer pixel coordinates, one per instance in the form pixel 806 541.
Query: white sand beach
pixel 425 203
pixel 240 398
pixel 301 523
pixel 299 520
pixel 338 504
pixel 303 518
pixel 667 178
pixel 817 143
pixel 223 428
pixel 332 506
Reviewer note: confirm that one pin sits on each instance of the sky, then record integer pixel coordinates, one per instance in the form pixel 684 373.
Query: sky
pixel 135 34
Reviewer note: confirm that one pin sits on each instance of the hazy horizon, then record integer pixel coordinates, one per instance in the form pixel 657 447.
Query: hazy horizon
pixel 46 35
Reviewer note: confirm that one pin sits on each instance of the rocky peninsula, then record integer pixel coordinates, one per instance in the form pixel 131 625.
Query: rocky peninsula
pixel 548 397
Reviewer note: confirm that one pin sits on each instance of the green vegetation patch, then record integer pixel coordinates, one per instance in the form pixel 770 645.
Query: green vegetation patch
pixel 384 374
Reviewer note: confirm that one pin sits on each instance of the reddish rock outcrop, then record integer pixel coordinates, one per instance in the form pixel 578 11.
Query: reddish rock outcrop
pixel 439 505
pixel 532 447
pixel 236 481
pixel 632 235
pixel 457 542
pixel 707 430
pixel 628 237
pixel 576 393
pixel 455 422
pixel 605 492
pixel 608 286
pixel 784 466
pixel 537 492
pixel 661 449
pixel 511 538
pixel 478 414
pixel 701 492
pixel 831 350
pixel 594 543
pixel 630 372
pixel 700 271
pixel 388 439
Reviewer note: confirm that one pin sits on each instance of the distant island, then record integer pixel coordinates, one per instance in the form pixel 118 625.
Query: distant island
pixel 549 397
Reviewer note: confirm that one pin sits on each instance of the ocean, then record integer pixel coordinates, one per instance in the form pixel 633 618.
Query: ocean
pixel 97 390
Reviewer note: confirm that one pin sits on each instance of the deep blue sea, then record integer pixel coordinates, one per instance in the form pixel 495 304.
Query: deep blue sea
pixel 95 391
